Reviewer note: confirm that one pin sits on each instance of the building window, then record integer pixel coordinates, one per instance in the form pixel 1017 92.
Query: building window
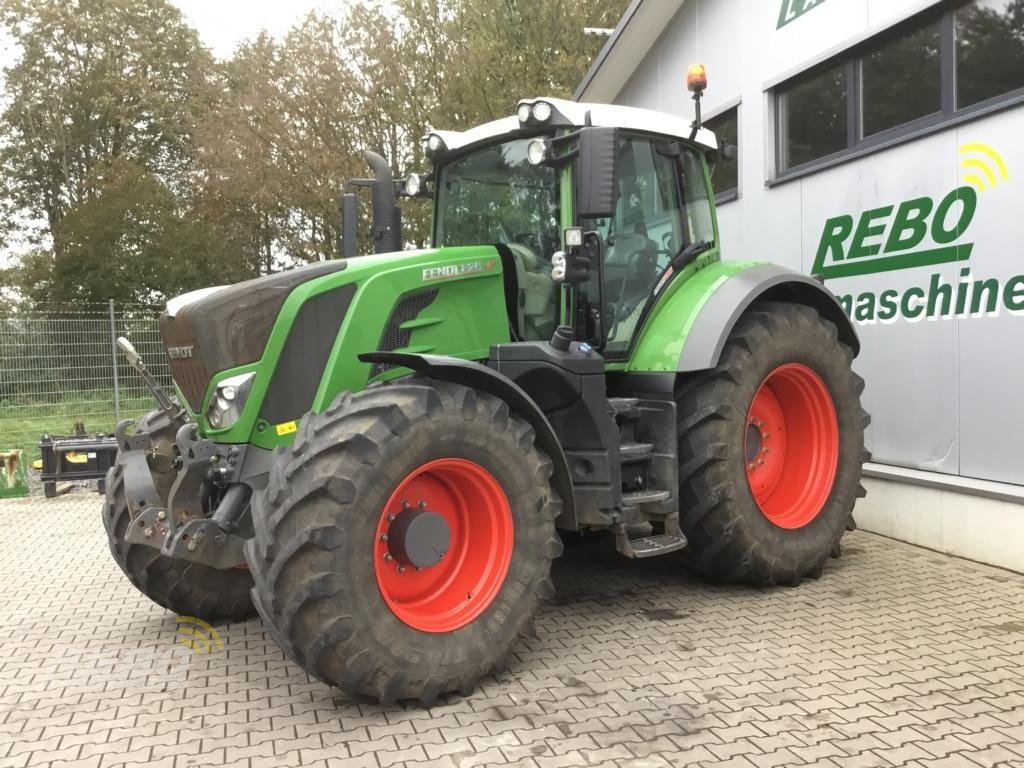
pixel 989 50
pixel 813 112
pixel 725 173
pixel 901 80
pixel 938 66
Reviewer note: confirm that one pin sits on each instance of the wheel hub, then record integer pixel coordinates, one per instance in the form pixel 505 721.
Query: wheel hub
pixel 753 443
pixel 443 545
pixel 791 445
pixel 419 537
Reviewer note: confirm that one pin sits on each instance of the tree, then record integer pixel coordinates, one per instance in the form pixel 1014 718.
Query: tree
pixel 293 121
pixel 143 168
pixel 296 115
pixel 477 58
pixel 101 88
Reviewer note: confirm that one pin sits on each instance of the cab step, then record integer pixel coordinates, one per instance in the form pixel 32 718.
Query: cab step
pixel 648 546
pixel 651 496
pixel 626 407
pixel 633 452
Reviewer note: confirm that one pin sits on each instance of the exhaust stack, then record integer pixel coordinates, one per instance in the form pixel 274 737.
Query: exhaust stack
pixel 387 218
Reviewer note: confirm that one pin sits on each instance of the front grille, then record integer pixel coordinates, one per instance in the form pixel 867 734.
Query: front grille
pixel 394 336
pixel 189 371
pixel 229 327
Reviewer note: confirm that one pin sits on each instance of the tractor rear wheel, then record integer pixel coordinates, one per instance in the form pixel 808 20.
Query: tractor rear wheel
pixel 770 449
pixel 188 589
pixel 405 540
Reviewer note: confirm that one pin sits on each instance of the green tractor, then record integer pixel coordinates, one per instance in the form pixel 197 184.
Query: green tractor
pixel 377 454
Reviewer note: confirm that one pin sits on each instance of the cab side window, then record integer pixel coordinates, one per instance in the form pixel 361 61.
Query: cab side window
pixel 638 242
pixel 648 204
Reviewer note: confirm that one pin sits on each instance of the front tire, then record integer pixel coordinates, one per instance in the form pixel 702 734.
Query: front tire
pixel 359 599
pixel 771 448
pixel 188 589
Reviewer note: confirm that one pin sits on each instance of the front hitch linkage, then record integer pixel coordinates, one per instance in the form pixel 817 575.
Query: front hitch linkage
pixel 180 530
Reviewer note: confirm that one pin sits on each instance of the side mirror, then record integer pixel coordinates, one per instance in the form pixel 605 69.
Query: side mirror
pixel 722 154
pixel 598 185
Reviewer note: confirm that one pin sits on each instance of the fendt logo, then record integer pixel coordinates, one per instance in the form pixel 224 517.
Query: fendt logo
pixel 457 270
pixel 920 232
pixel 180 353
pixel 794 9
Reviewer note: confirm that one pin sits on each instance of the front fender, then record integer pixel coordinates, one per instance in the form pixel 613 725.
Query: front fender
pixel 689 328
pixel 473 374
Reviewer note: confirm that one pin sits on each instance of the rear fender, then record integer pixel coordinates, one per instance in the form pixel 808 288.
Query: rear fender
pixel 688 332
pixel 473 374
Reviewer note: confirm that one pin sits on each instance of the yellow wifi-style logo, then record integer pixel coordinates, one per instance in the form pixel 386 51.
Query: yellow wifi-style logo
pixel 198 635
pixel 982 166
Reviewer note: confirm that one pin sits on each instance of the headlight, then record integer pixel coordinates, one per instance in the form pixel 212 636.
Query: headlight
pixel 413 184
pixel 537 151
pixel 228 400
pixel 542 111
pixel 434 143
pixel 523 113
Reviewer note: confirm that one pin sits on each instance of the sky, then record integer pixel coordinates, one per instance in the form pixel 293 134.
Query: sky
pixel 223 24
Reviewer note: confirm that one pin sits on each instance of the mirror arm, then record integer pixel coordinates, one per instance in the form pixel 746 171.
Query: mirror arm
pixel 593 241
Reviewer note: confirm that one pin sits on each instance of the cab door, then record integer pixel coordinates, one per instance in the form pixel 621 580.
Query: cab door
pixel 663 207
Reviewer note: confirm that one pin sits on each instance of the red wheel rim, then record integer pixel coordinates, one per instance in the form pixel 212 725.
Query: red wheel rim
pixel 791 445
pixel 462 576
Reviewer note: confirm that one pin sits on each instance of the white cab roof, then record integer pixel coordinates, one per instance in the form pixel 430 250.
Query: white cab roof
pixel 601 115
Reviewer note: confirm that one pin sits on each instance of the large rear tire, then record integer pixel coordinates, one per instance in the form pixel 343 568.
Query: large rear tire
pixel 770 449
pixel 405 540
pixel 188 589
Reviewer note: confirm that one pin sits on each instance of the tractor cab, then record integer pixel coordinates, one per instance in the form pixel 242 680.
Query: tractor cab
pixel 631 184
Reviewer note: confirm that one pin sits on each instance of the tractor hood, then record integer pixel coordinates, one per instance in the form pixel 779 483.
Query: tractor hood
pixel 291 342
pixel 215 329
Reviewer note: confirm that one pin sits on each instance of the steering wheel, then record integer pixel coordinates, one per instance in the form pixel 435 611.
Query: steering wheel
pixel 542 242
pixel 543 245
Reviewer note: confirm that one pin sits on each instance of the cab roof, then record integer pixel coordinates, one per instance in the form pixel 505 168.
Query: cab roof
pixel 574 114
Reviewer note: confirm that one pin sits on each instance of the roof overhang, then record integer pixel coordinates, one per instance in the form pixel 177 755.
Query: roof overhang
pixel 638 30
pixel 575 114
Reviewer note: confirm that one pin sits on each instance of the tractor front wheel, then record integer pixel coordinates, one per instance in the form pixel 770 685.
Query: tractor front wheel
pixel 405 540
pixel 188 589
pixel 771 444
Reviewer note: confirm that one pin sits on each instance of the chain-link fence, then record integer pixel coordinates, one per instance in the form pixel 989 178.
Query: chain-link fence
pixel 60 371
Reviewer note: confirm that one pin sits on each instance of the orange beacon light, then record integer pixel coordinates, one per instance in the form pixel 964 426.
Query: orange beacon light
pixel 696 78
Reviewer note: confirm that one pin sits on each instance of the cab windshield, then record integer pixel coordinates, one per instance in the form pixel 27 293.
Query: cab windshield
pixel 494 195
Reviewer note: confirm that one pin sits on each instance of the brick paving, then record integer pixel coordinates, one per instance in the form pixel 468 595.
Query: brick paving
pixel 896 656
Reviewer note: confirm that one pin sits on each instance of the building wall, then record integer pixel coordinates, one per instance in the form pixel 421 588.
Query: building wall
pixel 945 393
